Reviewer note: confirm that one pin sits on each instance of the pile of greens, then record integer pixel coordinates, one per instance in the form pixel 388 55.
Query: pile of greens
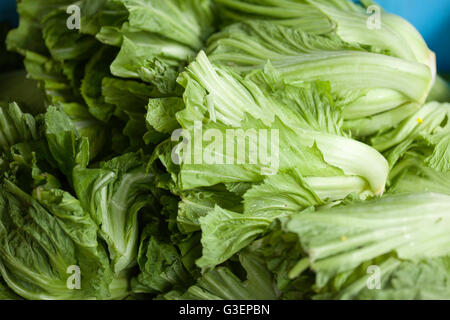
pixel 106 182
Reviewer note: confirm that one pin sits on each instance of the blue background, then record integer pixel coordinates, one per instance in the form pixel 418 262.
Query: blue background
pixel 8 11
pixel 430 17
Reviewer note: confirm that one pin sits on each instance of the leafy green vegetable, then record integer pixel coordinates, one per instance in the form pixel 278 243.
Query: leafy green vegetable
pixel 431 126
pixel 293 114
pixel 341 238
pixel 40 245
pixel 15 126
pixel 426 279
pixel 113 195
pixel 6 293
pixel 67 147
pixel 87 126
pixel 221 149
pixel 419 279
pixel 97 69
pixel 225 233
pixel 309 169
pixel 162 266
pixel 300 55
pixel 222 284
pixel 158 39
pixel 286 12
pixel 412 174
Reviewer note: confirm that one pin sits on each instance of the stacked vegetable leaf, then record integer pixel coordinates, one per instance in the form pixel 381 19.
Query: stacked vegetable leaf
pixel 355 179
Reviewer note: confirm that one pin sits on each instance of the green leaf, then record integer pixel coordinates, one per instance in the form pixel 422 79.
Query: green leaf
pixel 428 123
pixel 6 293
pixel 114 195
pixel 151 59
pixel 418 279
pixel 16 126
pixel 38 248
pixel 299 56
pixel 341 238
pixel 128 96
pixel 91 86
pixel 427 279
pixel 188 22
pixel 67 147
pixel 88 127
pixel 63 43
pixel 159 39
pixel 231 102
pixel 394 34
pixel 225 233
pixel 412 174
pixel 161 114
pixel 161 267
pixel 283 192
pixel 197 203
pixel 222 284
pixel 381 122
pixel 287 13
